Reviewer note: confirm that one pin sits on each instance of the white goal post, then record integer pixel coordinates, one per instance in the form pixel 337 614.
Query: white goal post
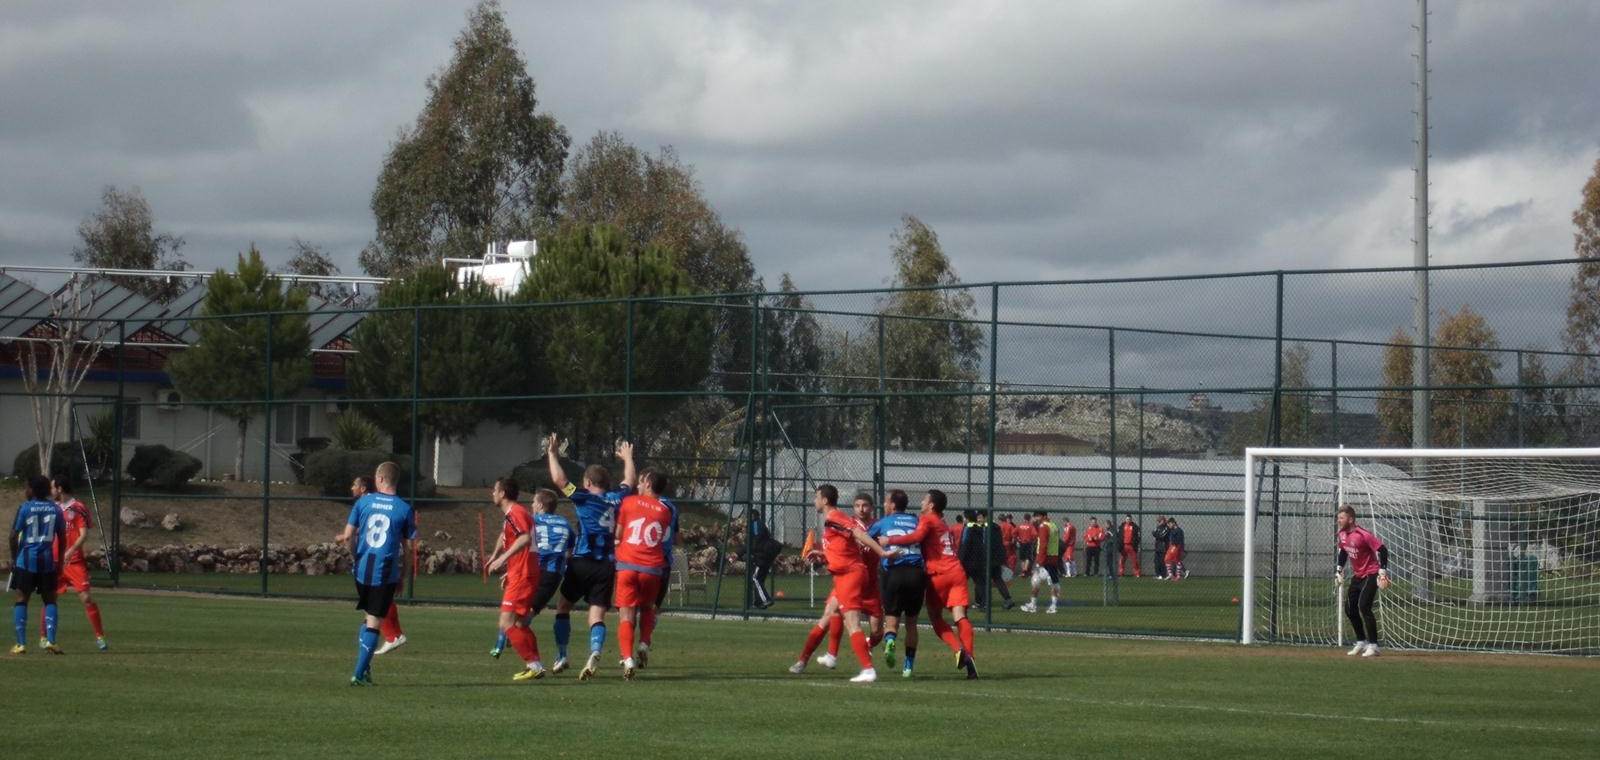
pixel 1489 549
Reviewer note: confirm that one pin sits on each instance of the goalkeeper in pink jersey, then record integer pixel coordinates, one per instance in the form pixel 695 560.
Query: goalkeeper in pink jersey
pixel 1369 571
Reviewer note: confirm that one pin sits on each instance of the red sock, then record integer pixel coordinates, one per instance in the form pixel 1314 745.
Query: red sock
pixel 812 640
pixel 625 638
pixel 942 630
pixel 858 642
pixel 647 625
pixel 835 634
pixel 390 627
pixel 93 611
pixel 522 640
pixel 965 627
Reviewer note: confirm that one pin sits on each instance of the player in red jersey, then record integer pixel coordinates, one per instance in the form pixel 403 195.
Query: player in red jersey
pixel 947 582
pixel 74 567
pixel 1008 536
pixel 843 535
pixel 873 594
pixel 521 579
pixel 643 532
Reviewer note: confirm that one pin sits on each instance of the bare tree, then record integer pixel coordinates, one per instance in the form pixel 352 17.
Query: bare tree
pixel 72 344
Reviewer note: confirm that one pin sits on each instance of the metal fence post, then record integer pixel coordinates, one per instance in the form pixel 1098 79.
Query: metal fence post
pixel 1109 596
pixel 994 423
pixel 880 431
pixel 1277 440
pixel 416 429
pixel 1520 390
pixel 266 464
pixel 627 378
pixel 1334 364
pixel 114 554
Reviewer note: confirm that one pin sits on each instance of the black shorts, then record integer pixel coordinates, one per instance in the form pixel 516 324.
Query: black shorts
pixel 549 583
pixel 28 582
pixel 375 600
pixel 589 580
pixel 903 589
pixel 1052 567
pixel 666 583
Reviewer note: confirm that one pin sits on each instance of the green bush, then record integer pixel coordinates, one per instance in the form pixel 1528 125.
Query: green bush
pixel 66 460
pixel 332 469
pixel 353 432
pixel 160 467
pixel 297 460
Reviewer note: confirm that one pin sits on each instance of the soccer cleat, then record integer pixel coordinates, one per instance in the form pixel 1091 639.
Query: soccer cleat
pixel 1361 646
pixel 19 649
pixel 643 655
pixel 560 665
pixel 391 645
pixel 1051 611
pixel 1009 604
pixel 905 673
pixel 590 668
pixel 495 653
pixel 827 661
pixel 888 651
pixel 361 681
pixel 51 648
pixel 1370 651
pixel 971 666
pixel 100 641
pixel 866 676
pixel 797 668
pixel 43 642
pixel 629 667
pixel 1030 607
pixel 531 673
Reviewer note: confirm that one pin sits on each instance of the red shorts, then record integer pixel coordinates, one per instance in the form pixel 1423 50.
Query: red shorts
pixel 517 598
pixel 74 576
pixel 946 590
pixel 872 601
pixel 1066 554
pixel 850 588
pixel 1173 555
pixel 635 589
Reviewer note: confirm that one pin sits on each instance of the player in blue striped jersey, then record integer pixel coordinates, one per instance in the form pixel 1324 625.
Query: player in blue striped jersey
pixel 382 527
pixel 552 536
pixel 38 536
pixel 905 580
pixel 591 574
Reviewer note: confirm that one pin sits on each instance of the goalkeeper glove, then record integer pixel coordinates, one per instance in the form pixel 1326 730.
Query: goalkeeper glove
pixel 1338 577
pixel 1383 579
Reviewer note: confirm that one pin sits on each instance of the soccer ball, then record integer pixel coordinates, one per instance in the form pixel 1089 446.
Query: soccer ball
pixel 780 595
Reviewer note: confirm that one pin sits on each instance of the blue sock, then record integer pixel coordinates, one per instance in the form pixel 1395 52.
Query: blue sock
pixel 50 622
pixel 563 634
pixel 889 637
pixel 911 657
pixel 368 642
pixel 500 643
pixel 597 637
pixel 19 618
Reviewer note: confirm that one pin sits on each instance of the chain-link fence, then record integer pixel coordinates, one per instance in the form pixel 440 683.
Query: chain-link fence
pixel 1099 403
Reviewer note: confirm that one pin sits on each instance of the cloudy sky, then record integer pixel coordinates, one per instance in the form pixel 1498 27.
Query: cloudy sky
pixel 1042 140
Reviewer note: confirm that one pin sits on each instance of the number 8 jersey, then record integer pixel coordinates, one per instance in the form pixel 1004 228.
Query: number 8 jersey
pixel 383 522
pixel 645 527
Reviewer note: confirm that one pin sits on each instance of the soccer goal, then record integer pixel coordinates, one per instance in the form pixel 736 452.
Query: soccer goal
pixel 1489 549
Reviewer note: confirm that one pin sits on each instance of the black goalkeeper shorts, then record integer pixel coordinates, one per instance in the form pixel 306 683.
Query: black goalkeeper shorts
pixel 904 589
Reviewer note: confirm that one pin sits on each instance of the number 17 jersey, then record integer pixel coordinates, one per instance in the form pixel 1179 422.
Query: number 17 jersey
pixel 383 522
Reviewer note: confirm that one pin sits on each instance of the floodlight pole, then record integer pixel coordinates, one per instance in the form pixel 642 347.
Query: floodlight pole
pixel 1420 417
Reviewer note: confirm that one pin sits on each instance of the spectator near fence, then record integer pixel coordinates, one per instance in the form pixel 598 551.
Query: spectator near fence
pixel 1069 542
pixel 1092 538
pixel 1160 535
pixel 1008 539
pixel 1175 569
pixel 764 551
pixel 1026 536
pixel 1130 546
pixel 982 557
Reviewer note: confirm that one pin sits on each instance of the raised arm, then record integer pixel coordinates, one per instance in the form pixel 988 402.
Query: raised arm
pixel 552 453
pixel 867 541
pixel 914 537
pixel 630 474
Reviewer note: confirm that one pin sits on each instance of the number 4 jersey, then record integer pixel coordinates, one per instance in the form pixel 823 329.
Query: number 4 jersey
pixel 383 522
pixel 646 531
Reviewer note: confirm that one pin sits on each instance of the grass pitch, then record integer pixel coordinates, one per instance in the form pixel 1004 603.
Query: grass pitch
pixel 231 677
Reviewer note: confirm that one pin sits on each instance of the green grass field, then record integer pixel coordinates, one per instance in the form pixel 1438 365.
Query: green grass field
pixel 227 676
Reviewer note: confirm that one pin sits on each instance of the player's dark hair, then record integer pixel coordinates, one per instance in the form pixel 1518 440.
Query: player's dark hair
pixel 62 483
pixel 509 488
pixel 544 500
pixel 1172 521
pixel 38 488
pixel 366 483
pixel 866 497
pixel 598 476
pixel 939 500
pixel 829 494
pixel 656 480
pixel 1346 509
pixel 897 500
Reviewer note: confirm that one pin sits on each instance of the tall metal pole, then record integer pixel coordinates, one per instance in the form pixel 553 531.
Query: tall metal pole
pixel 416 425
pixel 994 423
pixel 627 377
pixel 266 463
pixel 114 558
pixel 1420 356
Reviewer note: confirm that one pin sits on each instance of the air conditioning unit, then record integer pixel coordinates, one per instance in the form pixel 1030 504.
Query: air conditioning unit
pixel 334 408
pixel 169 400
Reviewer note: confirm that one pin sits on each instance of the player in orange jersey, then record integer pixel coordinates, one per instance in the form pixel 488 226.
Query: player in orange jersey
pixel 947 582
pixel 843 535
pixel 873 595
pixel 644 534
pixel 521 578
pixel 74 567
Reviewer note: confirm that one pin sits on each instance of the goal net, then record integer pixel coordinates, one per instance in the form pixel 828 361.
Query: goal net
pixel 1489 549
